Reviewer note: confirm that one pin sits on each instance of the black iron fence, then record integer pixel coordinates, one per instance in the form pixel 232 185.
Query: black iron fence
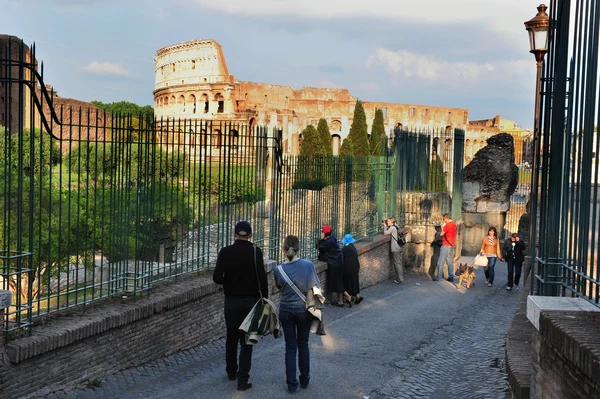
pixel 519 199
pixel 96 205
pixel 566 205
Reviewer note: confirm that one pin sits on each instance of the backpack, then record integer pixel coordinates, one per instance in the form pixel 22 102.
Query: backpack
pixel 401 240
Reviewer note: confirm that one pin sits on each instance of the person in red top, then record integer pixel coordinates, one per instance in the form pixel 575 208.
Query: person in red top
pixel 447 251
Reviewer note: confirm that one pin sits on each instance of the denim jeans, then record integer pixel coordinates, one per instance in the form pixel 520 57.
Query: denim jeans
pixel 236 310
pixel 296 322
pixel 446 256
pixel 489 270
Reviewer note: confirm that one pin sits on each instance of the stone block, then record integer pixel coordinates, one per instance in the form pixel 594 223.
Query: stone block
pixel 538 304
pixel 5 299
pixel 471 192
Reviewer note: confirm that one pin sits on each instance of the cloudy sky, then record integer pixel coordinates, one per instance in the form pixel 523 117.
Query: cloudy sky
pixel 457 53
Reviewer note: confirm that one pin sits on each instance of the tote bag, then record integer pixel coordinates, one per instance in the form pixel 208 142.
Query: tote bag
pixel 481 260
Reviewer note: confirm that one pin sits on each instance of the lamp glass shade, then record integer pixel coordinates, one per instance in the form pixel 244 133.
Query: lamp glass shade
pixel 541 39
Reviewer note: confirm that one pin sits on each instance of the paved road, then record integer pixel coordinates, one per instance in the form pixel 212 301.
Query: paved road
pixel 421 339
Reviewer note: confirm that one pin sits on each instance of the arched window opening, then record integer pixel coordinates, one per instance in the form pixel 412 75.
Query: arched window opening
pixel 205 101
pixel 193 64
pixel 181 103
pixel 216 138
pixel 193 103
pixel 235 136
pixel 447 149
pixel 220 102
pixel 336 144
pixel 173 67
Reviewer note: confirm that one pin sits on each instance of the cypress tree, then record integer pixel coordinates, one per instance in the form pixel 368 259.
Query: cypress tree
pixel 437 178
pixel 347 148
pixel 378 142
pixel 325 136
pixel 358 131
pixel 311 142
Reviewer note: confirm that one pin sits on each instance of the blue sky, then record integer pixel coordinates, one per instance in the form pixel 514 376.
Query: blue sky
pixel 461 53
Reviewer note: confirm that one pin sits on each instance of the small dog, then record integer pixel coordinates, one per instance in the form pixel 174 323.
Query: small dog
pixel 466 273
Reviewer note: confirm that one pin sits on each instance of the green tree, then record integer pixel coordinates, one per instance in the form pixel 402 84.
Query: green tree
pixel 347 148
pixel 378 142
pixel 325 136
pixel 124 108
pixel 311 142
pixel 437 178
pixel 358 131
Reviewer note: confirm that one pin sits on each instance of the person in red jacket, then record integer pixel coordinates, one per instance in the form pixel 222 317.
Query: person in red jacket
pixel 447 251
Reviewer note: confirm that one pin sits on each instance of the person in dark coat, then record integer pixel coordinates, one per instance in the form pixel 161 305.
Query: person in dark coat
pixel 351 270
pixel 244 281
pixel 330 252
pixel 512 251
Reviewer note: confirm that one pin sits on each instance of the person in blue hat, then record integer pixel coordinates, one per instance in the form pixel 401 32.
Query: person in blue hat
pixel 351 270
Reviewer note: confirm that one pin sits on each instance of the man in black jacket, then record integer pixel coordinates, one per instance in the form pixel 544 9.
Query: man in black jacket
pixel 512 250
pixel 241 271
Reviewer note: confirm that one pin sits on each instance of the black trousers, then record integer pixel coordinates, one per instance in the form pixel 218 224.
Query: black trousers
pixel 514 269
pixel 236 310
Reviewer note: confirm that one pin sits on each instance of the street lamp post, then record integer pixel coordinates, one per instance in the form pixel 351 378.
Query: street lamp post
pixel 537 27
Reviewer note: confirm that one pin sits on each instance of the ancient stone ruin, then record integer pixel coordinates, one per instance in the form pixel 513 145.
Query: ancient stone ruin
pixel 488 182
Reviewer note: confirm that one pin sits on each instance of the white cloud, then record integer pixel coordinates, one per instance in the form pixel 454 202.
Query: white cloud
pixel 106 68
pixel 499 15
pixel 427 68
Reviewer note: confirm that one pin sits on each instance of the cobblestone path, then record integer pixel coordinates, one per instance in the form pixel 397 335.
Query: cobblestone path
pixel 464 359
pixel 421 339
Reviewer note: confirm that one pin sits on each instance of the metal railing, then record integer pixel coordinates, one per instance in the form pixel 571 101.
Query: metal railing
pixel 566 209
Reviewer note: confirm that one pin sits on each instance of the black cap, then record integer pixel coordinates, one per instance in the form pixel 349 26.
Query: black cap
pixel 243 228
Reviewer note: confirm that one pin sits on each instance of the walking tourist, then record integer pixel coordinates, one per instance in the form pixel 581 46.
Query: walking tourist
pixel 330 252
pixel 397 250
pixel 512 250
pixel 448 235
pixel 490 248
pixel 241 271
pixel 295 278
pixel 351 270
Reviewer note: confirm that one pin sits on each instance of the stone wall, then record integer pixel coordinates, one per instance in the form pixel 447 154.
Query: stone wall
pixel 566 356
pixel 70 349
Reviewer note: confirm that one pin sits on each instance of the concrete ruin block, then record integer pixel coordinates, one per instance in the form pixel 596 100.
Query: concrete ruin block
pixel 488 182
pixel 5 299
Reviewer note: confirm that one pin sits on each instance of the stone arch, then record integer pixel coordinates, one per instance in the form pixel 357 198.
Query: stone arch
pixel 448 130
pixel 398 126
pixel 173 102
pixel 336 126
pixel 192 101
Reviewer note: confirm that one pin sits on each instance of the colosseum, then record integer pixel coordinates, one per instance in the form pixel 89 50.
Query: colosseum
pixel 194 83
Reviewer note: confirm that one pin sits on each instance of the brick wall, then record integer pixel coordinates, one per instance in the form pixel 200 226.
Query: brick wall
pixel 566 356
pixel 70 349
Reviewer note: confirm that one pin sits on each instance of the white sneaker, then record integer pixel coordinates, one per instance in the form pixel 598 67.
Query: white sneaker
pixel 508 288
pixel 489 284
